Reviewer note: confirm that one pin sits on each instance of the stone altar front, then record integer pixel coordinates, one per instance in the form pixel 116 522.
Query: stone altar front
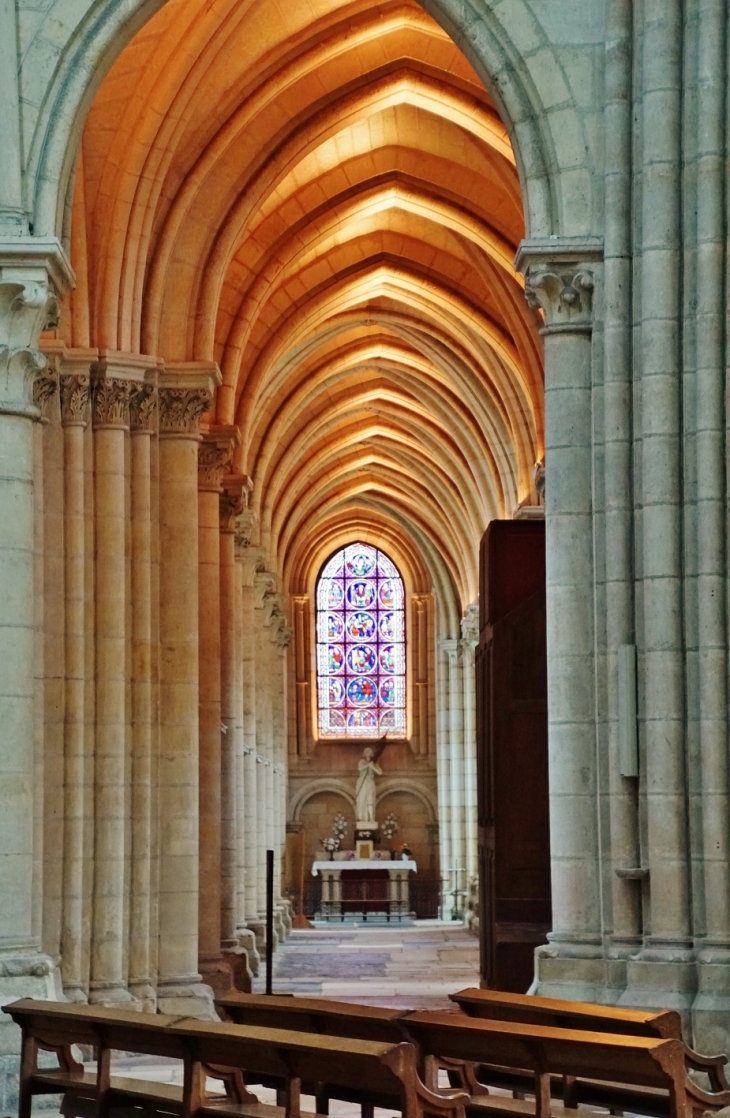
pixel 395 903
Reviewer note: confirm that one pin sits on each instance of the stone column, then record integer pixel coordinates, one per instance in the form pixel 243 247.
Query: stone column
pixel 75 388
pixel 420 670
pixel 143 417
pixel 468 645
pixel 232 502
pixel 711 1006
pixel 45 389
pixel 245 807
pixel 302 669
pixel 214 459
pixel 13 220
pixel 560 281
pixel 625 892
pixel 457 888
pixel 443 777
pixel 252 834
pixel 30 276
pixel 112 386
pixel 184 395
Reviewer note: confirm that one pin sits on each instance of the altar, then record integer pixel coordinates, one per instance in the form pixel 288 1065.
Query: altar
pixel 366 886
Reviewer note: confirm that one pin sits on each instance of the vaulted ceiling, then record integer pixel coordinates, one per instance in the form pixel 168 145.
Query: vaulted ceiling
pixel 321 197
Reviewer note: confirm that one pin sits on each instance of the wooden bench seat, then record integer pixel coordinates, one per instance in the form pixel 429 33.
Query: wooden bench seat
pixel 225 1051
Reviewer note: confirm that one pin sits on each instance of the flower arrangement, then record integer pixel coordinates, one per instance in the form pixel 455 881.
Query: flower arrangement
pixel 389 826
pixel 339 826
pixel 405 851
pixel 330 843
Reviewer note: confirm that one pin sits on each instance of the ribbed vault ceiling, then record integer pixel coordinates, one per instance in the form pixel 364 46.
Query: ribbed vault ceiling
pixel 321 197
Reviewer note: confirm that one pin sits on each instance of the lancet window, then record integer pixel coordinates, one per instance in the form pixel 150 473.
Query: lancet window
pixel 361 645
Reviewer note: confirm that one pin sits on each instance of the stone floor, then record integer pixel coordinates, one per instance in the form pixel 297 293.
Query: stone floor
pixel 415 966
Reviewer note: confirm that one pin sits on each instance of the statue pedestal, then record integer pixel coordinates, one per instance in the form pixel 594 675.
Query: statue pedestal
pixel 365 830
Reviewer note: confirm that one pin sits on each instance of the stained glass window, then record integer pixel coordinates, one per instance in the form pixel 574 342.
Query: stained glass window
pixel 361 645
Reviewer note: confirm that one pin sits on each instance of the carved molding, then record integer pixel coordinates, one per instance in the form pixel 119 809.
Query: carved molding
pixel 470 624
pixel 234 501
pixel 110 402
pixel 143 408
pixel 244 526
pixel 181 410
pixel 75 390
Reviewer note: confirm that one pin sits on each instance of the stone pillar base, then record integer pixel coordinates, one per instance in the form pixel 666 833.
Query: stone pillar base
pixel 145 996
pixel 237 959
pixel 23 974
pixel 711 1008
pixel 187 999
pixel 577 979
pixel 286 916
pixel 279 929
pixel 258 927
pixel 658 984
pixel 117 996
pixel 247 940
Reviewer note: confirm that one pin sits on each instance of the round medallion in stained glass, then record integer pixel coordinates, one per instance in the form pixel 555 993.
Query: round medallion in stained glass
pixel 362 720
pixel 387 720
pixel 335 658
pixel 361 626
pixel 335 595
pixel 361 659
pixel 387 594
pixel 387 658
pixel 387 691
pixel 337 691
pixel 337 720
pixel 362 692
pixel 361 594
pixel 335 628
pixel 387 626
pixel 360 563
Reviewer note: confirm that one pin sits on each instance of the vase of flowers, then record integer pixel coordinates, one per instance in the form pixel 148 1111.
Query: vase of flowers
pixel 406 852
pixel 330 844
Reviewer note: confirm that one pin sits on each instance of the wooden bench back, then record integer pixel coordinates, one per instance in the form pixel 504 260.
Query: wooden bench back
pixel 288 1053
pixel 314 1015
pixel 639 1061
pixel 496 1005
pixel 55 1024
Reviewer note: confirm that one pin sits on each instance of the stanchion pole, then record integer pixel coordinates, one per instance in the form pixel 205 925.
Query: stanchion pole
pixel 269 919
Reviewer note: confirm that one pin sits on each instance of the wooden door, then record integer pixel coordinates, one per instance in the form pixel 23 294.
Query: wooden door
pixel 514 835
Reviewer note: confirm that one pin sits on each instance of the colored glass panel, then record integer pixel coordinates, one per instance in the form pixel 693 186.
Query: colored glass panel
pixel 361 661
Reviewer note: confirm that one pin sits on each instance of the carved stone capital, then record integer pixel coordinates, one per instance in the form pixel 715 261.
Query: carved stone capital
pixel 143 409
pixel 45 387
pixel 213 461
pixel 110 402
pixel 470 624
pixel 234 500
pixel 264 583
pixel 181 409
pixel 452 648
pixel 560 281
pixel 565 297
pixel 244 525
pixel 75 391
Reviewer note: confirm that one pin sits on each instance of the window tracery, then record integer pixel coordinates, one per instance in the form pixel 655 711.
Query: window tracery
pixel 361 649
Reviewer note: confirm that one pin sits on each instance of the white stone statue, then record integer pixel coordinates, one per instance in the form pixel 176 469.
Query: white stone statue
pixel 367 770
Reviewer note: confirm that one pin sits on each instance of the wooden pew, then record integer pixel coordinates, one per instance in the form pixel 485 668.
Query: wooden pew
pixel 325 1017
pixel 497 1005
pixel 224 1051
pixel 627 1062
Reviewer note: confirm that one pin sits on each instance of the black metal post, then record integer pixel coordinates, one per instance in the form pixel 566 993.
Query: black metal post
pixel 269 919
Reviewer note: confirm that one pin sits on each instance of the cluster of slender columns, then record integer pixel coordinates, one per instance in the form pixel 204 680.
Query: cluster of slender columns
pixel 149 748
pixel 456 766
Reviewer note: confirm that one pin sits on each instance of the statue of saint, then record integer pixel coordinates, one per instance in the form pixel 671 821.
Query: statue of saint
pixel 367 770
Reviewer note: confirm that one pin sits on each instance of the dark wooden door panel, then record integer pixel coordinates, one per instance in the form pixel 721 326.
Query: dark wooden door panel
pixel 511 665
